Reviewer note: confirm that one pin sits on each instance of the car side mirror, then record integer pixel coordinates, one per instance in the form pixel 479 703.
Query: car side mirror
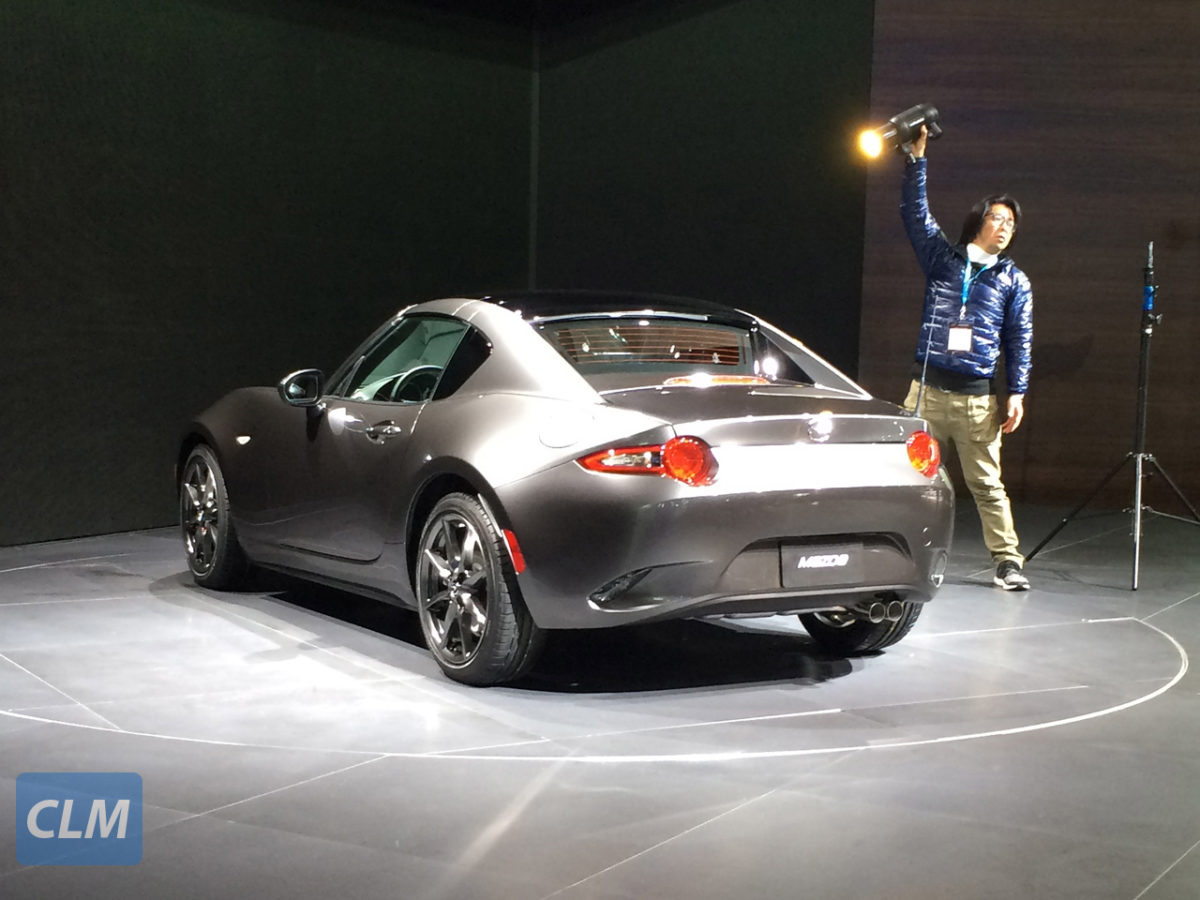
pixel 302 388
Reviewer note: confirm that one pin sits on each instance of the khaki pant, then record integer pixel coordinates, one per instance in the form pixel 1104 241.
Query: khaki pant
pixel 972 424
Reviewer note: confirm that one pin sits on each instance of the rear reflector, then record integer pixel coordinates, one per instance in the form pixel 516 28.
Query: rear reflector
pixel 924 453
pixel 686 459
pixel 514 550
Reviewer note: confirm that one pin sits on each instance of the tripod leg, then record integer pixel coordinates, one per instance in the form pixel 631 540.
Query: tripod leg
pixel 1137 516
pixel 1077 510
pixel 1178 493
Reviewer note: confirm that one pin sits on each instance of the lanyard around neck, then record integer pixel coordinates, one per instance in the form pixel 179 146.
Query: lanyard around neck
pixel 968 280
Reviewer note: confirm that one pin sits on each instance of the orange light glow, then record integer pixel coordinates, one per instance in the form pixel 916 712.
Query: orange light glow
pixel 870 143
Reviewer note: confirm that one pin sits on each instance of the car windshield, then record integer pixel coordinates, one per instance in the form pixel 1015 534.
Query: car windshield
pixel 625 350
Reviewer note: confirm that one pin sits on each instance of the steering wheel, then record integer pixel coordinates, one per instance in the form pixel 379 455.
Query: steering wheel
pixel 412 386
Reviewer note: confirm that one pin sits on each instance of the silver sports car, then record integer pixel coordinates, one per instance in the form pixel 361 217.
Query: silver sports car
pixel 511 464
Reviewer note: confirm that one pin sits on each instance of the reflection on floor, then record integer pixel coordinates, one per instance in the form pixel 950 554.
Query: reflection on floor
pixel 298 742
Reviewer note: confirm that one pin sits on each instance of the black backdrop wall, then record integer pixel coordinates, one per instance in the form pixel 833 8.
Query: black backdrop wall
pixel 706 154
pixel 197 194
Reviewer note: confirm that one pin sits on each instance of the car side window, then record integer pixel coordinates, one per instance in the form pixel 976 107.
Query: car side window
pixel 472 350
pixel 406 365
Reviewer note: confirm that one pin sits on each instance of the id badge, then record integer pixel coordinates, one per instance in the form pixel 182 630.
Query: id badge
pixel 960 338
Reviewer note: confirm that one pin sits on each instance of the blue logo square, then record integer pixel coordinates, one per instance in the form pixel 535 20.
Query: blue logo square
pixel 79 819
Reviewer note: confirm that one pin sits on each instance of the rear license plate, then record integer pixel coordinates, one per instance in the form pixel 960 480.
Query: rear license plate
pixel 817 565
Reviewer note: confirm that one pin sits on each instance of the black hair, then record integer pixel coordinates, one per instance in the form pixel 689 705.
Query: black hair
pixel 974 220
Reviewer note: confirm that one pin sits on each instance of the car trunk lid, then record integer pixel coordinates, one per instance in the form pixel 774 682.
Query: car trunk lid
pixel 770 414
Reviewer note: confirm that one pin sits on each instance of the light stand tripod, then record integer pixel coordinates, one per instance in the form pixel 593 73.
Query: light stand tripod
pixel 1142 460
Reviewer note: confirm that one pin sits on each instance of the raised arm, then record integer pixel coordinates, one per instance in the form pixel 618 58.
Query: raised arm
pixel 922 228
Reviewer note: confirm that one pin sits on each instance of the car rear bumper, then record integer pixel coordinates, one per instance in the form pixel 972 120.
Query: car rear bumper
pixel 644 548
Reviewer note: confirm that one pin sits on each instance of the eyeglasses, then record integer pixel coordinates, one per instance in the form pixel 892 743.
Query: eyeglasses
pixel 999 219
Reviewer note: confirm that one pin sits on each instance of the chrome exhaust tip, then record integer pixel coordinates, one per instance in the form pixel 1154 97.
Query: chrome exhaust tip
pixel 875 612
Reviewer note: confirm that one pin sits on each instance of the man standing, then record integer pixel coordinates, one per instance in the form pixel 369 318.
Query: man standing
pixel 977 303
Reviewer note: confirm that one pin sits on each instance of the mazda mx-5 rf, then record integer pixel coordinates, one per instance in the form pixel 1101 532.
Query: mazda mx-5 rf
pixel 513 464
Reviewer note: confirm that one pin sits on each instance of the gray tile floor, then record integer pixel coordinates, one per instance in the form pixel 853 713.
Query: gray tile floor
pixel 298 742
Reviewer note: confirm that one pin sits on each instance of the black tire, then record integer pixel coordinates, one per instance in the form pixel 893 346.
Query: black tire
pixel 845 635
pixel 472 616
pixel 210 542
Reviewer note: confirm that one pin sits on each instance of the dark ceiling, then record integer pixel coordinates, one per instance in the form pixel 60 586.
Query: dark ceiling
pixel 528 13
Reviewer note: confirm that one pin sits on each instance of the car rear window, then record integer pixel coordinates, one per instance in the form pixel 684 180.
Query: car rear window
pixel 620 351
pixel 652 344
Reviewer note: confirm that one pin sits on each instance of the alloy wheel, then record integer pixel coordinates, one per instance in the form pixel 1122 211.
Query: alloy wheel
pixel 456 577
pixel 200 514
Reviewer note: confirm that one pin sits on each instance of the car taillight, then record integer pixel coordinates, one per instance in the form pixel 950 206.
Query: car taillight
pixel 924 453
pixel 689 460
pixel 686 459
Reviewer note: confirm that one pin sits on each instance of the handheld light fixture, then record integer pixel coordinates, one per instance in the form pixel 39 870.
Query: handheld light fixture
pixel 900 130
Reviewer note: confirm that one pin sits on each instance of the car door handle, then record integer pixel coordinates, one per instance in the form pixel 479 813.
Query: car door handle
pixel 383 431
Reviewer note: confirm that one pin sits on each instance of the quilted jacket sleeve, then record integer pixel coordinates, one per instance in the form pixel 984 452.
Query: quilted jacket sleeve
pixel 1018 335
pixel 922 228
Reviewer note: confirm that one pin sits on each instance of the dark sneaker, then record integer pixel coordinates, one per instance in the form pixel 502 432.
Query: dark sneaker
pixel 1009 577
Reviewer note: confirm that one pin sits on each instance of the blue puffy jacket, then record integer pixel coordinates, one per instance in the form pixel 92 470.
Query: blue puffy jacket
pixel 999 301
